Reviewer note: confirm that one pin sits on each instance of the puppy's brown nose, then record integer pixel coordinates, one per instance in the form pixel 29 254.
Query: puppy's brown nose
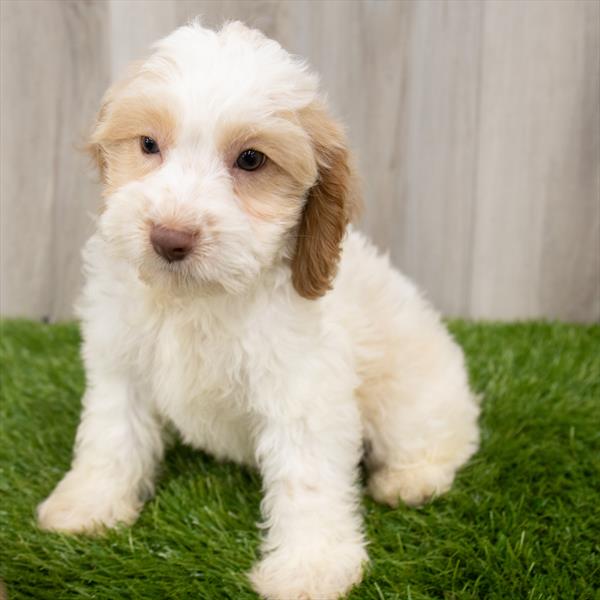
pixel 171 244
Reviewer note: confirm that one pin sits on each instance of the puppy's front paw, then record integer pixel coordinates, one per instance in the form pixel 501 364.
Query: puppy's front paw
pixel 309 573
pixel 82 504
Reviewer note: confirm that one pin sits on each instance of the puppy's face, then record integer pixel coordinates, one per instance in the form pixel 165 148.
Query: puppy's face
pixel 219 161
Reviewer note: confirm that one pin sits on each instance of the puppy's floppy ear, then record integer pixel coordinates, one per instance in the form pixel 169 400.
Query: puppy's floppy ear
pixel 93 146
pixel 331 204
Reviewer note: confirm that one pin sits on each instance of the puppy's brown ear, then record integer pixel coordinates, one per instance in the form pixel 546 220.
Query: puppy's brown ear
pixel 93 146
pixel 331 204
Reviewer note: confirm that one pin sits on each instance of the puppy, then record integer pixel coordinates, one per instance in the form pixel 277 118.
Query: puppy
pixel 227 295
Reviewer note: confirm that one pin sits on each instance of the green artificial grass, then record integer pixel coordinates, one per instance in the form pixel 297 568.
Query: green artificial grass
pixel 522 520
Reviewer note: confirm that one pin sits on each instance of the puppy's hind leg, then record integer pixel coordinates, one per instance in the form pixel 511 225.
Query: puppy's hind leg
pixel 419 419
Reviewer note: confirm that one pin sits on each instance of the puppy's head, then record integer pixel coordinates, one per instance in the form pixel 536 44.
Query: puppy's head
pixel 220 161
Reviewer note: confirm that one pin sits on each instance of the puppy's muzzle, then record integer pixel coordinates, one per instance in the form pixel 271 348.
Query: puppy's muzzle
pixel 171 244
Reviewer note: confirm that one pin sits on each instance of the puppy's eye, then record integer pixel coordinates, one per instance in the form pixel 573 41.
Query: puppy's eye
pixel 250 160
pixel 149 146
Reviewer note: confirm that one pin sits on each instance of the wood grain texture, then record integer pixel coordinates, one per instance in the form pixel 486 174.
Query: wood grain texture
pixel 536 245
pixel 54 71
pixel 476 127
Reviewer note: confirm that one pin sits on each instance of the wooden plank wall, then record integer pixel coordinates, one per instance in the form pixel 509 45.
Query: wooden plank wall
pixel 476 126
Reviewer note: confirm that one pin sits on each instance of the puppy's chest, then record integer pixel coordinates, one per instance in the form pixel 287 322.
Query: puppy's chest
pixel 199 383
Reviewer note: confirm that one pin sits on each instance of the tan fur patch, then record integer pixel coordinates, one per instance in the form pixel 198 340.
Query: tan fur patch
pixel 273 192
pixel 129 111
pixel 332 203
pixel 269 195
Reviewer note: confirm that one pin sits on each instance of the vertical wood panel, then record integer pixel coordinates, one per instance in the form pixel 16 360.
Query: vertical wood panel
pixel 53 74
pixel 569 284
pixel 536 235
pixel 84 68
pixel 26 198
pixel 134 27
pixel 432 160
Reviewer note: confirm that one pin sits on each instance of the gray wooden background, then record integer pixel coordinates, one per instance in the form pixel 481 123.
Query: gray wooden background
pixel 476 124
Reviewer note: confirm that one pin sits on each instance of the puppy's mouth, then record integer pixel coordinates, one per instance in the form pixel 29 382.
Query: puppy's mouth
pixel 185 262
pixel 177 278
pixel 178 265
pixel 170 256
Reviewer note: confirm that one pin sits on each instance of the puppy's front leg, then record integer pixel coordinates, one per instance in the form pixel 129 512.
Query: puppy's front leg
pixel 314 547
pixel 117 446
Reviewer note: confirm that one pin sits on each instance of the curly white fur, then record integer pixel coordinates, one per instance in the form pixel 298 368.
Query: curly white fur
pixel 224 348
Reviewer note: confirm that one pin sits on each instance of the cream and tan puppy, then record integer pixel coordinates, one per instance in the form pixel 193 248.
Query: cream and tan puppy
pixel 227 296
